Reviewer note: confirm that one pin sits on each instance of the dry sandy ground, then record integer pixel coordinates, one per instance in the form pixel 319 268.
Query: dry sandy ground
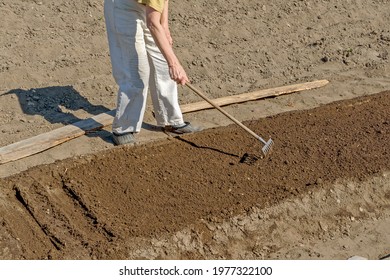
pixel 54 70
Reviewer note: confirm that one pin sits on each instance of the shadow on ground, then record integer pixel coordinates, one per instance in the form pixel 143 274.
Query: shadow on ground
pixel 56 104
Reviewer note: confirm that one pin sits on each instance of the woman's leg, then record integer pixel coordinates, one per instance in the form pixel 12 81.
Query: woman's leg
pixel 129 60
pixel 163 89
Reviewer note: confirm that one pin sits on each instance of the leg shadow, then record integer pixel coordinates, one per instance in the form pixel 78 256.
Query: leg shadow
pixel 151 127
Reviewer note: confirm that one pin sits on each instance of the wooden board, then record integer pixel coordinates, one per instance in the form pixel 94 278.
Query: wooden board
pixel 251 96
pixel 58 136
pixel 53 138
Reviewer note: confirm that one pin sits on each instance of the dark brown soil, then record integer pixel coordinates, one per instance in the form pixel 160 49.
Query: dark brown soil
pixel 95 206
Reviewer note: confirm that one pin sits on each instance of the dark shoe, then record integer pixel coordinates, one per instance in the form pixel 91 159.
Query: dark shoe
pixel 122 139
pixel 181 129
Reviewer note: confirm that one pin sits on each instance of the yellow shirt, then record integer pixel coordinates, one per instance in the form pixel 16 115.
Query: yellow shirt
pixel 158 5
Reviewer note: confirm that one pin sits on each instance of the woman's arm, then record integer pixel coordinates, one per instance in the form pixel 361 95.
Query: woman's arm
pixel 154 23
pixel 165 22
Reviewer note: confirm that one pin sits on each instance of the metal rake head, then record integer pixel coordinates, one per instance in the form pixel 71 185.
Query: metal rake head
pixel 267 147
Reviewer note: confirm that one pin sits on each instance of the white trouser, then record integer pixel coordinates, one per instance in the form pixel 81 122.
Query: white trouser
pixel 138 66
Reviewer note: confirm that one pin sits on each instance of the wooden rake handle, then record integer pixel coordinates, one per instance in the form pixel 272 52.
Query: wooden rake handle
pixel 198 92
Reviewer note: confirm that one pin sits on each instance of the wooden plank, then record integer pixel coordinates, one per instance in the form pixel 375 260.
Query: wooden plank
pixel 251 96
pixel 53 138
pixel 58 136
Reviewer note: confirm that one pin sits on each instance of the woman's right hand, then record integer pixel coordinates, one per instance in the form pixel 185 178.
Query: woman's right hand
pixel 178 74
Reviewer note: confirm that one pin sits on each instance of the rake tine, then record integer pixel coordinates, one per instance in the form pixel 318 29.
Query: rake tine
pixel 267 147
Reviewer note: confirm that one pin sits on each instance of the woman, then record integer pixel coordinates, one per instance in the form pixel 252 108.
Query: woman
pixel 143 60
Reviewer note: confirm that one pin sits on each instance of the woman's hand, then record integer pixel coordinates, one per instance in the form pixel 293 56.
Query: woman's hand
pixel 178 74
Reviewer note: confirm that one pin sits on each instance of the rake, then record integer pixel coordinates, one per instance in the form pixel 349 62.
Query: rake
pixel 267 144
